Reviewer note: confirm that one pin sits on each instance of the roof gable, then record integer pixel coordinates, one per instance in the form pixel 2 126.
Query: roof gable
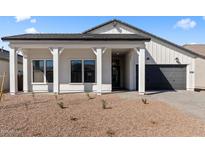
pixel 112 27
pixel 125 27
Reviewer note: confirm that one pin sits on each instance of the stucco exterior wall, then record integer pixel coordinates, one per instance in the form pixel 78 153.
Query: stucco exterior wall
pixel 65 70
pixel 4 67
pixel 200 73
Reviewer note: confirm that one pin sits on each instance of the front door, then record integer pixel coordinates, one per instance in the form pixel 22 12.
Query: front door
pixel 116 74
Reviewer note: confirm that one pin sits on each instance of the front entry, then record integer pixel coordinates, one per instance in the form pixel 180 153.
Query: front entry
pixel 115 74
pixel 119 69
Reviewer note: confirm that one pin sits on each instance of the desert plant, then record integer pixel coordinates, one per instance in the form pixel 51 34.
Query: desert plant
pixel 61 105
pixel 37 134
pixel 33 95
pixel 89 97
pixel 144 100
pixel 110 133
pixel 73 118
pixel 56 96
pixel 104 105
pixel 153 122
pixel 26 106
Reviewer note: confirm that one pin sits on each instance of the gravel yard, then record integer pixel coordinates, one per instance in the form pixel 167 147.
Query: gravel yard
pixel 90 115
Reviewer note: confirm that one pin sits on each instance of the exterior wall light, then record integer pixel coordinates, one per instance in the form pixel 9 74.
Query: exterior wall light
pixel 177 60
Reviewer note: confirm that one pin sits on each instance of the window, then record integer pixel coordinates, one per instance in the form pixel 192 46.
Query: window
pixel 38 71
pixel 89 71
pixel 76 71
pixel 43 71
pixel 49 71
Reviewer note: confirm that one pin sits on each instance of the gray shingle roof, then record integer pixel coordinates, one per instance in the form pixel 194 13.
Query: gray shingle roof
pixel 197 48
pixel 75 37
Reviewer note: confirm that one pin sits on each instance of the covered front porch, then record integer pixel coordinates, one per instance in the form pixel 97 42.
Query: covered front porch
pixel 62 67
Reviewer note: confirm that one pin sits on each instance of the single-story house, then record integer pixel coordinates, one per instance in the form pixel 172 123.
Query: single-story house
pixel 199 63
pixel 4 67
pixel 111 56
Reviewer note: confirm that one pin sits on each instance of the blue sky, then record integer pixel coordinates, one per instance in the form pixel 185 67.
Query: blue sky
pixel 180 30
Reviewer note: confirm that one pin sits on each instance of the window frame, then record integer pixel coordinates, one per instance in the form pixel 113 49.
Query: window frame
pixel 84 70
pixel 82 60
pixel 82 67
pixel 44 72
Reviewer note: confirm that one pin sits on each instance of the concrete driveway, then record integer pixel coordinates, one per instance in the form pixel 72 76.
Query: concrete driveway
pixel 187 101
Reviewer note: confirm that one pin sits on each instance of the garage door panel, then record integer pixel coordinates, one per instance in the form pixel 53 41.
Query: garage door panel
pixel 164 77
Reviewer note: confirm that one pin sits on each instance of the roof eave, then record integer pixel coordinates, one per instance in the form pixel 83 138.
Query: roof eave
pixel 39 39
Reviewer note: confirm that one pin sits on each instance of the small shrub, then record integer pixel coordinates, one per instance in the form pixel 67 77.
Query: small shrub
pixel 144 100
pixel 56 96
pixel 33 95
pixel 89 97
pixel 104 105
pixel 26 106
pixel 110 133
pixel 73 118
pixel 153 122
pixel 37 134
pixel 61 105
pixel 19 129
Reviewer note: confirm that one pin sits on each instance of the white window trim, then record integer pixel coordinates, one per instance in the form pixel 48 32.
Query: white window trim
pixel 78 83
pixel 44 74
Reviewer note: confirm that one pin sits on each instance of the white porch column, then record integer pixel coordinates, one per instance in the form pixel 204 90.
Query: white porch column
pixel 56 52
pixel 141 82
pixel 25 71
pixel 56 71
pixel 99 53
pixel 13 66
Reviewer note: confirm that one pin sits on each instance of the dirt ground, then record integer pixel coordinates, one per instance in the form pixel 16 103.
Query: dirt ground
pixel 90 115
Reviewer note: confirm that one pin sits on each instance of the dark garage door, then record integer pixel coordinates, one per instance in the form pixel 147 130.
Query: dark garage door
pixel 164 77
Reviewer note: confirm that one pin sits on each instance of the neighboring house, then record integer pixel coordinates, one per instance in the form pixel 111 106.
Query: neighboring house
pixel 111 56
pixel 199 64
pixel 4 67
